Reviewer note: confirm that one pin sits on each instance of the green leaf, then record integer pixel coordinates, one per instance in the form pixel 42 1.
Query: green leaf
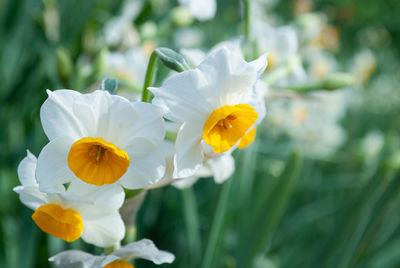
pixel 190 213
pixel 268 211
pixel 344 239
pixel 383 208
pixel 110 85
pixel 172 59
pixel 217 230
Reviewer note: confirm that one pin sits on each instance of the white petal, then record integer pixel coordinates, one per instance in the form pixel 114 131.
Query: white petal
pixel 186 182
pixel 93 112
pixel 52 166
pixel 80 259
pixel 223 167
pixel 144 249
pixel 189 155
pixel 201 9
pixel 233 45
pixel 255 98
pixel 229 76
pixel 110 195
pixel 260 64
pixel 147 165
pixel 27 169
pixel 102 226
pixel 288 43
pixel 179 97
pixel 193 55
pixel 57 116
pixel 30 196
pixel 149 123
pixel 116 122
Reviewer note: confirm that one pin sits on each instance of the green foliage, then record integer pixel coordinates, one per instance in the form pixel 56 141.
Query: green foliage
pixel 276 209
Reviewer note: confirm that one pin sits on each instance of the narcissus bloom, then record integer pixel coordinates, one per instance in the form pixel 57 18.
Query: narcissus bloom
pixel 201 9
pixel 143 249
pixel 214 103
pixel 313 123
pixel 100 139
pixel 128 67
pixel 82 211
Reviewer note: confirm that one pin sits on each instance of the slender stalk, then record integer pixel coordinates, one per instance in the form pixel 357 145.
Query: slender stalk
pixel 246 4
pixel 217 224
pixel 191 216
pixel 149 77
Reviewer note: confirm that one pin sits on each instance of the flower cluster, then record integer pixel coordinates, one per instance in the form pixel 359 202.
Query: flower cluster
pixel 101 143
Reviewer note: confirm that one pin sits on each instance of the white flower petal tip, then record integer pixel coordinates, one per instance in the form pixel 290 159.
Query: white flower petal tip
pixel 260 64
pixel 143 249
pixel 26 170
pixel 106 127
pixel 201 9
pixel 77 258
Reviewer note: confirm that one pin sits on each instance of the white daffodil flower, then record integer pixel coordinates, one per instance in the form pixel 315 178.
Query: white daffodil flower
pixel 214 104
pixel 81 211
pixel 312 123
pixel 282 46
pixel 128 66
pixel 201 9
pixel 196 56
pixel 142 249
pixel 320 65
pixel 281 43
pixel 188 37
pixel 364 66
pixel 120 28
pixel 100 139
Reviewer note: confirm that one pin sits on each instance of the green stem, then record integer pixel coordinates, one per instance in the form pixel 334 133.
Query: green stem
pixel 149 77
pixel 246 4
pixel 192 225
pixel 216 228
pixel 333 82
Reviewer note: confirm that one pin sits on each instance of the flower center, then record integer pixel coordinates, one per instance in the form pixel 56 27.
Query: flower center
pixel 227 125
pixel 271 62
pixel 300 114
pixel 97 162
pixel 65 224
pixel 119 264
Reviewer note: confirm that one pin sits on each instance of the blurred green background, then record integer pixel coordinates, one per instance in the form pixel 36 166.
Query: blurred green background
pixel 278 209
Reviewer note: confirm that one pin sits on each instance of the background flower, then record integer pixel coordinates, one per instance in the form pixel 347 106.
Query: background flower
pixel 80 211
